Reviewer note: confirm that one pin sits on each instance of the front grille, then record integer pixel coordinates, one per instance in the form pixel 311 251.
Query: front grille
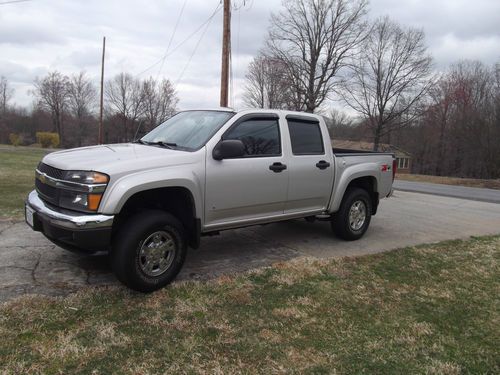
pixel 51 171
pixel 46 192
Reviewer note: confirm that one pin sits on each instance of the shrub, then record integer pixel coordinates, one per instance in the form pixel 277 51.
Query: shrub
pixel 47 139
pixel 15 139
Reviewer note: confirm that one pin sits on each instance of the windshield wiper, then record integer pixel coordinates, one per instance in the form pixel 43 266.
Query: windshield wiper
pixel 170 145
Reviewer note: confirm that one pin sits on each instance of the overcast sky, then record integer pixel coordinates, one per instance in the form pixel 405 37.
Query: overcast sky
pixel 42 35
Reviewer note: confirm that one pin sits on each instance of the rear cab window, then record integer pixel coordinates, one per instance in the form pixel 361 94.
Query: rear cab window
pixel 305 136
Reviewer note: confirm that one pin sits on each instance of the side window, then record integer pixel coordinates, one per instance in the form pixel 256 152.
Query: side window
pixel 306 138
pixel 261 137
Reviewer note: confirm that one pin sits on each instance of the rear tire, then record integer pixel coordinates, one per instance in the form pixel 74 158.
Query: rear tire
pixel 353 218
pixel 149 250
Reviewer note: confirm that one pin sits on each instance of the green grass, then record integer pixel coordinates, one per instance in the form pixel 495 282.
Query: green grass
pixel 17 178
pixel 427 309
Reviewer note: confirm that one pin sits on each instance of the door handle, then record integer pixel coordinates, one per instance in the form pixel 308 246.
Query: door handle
pixel 277 167
pixel 322 164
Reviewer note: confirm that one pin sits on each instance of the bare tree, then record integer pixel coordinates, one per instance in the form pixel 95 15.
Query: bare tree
pixel 390 77
pixel 496 108
pixel 473 85
pixel 337 119
pixel 316 39
pixel 125 98
pixel 439 113
pixel 82 96
pixel 255 89
pixel 6 93
pixel 160 101
pixel 267 84
pixel 458 134
pixel 52 94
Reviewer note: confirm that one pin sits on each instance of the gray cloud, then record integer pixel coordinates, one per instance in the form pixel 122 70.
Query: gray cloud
pixel 455 29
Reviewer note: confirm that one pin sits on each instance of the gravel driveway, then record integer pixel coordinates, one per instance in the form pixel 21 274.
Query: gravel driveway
pixel 31 264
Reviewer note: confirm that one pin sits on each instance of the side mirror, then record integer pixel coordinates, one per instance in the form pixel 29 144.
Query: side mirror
pixel 229 148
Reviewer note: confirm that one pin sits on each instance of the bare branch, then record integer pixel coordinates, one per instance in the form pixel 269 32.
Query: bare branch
pixel 51 92
pixel 6 94
pixel 82 97
pixel 160 101
pixel 390 77
pixel 316 39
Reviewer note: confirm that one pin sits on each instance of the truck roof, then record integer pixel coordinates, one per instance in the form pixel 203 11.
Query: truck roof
pixel 257 110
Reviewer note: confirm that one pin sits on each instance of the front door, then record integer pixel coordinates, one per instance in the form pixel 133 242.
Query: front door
pixel 242 190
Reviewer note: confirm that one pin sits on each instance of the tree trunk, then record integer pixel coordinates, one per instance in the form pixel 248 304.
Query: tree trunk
pixel 57 121
pixel 376 138
pixel 439 161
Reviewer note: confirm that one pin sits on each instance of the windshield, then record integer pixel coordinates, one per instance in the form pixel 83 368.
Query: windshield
pixel 188 130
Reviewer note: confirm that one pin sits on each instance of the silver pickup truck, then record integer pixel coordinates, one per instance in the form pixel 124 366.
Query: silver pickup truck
pixel 200 172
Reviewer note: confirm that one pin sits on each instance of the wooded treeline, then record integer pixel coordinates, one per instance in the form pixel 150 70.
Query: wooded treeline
pixel 68 106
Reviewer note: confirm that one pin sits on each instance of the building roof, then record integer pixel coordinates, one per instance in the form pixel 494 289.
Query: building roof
pixel 368 146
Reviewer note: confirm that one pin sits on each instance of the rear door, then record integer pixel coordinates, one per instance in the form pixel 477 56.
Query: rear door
pixel 311 170
pixel 242 190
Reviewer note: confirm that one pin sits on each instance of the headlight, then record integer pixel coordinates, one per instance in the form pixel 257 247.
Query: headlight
pixel 84 177
pixel 86 193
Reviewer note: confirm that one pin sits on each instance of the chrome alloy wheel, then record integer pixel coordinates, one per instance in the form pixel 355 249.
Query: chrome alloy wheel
pixel 157 253
pixel 357 215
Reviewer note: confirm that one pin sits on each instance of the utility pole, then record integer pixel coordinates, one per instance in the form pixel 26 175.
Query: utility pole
pixel 102 89
pixel 226 45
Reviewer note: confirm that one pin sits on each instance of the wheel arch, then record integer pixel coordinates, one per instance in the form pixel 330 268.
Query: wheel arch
pixel 177 200
pixel 368 183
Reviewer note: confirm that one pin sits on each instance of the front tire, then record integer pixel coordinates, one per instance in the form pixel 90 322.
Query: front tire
pixel 353 218
pixel 149 251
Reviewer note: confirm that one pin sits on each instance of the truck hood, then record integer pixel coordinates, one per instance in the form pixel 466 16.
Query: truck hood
pixel 117 158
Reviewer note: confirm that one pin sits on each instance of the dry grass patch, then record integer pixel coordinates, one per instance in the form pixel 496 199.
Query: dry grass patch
pixel 443 368
pixel 295 270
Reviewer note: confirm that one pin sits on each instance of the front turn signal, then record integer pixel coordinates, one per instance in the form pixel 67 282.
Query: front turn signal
pixel 93 201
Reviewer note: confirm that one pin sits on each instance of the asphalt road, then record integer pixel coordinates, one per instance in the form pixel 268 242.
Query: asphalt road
pixel 31 264
pixel 476 194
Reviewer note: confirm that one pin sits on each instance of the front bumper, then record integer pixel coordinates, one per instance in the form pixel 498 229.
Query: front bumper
pixel 68 229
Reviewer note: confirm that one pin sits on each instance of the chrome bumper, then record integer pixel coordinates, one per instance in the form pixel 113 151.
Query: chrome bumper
pixel 68 219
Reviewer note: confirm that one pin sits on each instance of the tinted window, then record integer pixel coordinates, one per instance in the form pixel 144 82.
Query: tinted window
pixel 306 138
pixel 260 137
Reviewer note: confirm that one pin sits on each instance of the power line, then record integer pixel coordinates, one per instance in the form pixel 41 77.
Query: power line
pixel 13 2
pixel 171 38
pixel 195 49
pixel 182 43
